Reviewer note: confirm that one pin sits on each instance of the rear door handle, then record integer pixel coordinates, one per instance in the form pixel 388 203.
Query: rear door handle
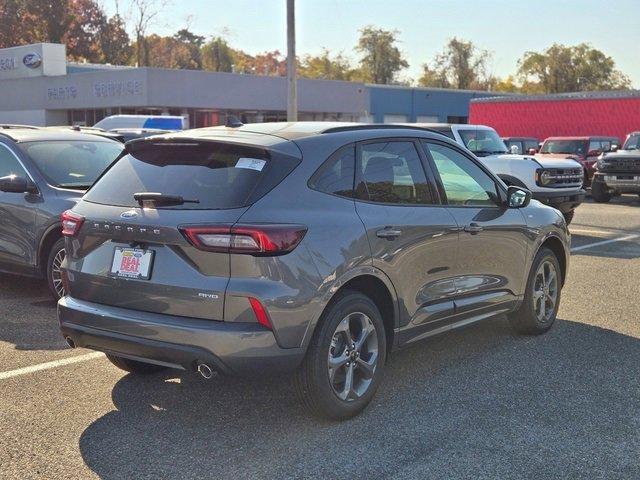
pixel 473 228
pixel 388 233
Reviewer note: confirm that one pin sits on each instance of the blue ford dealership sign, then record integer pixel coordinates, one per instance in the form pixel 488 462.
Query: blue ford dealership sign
pixel 32 60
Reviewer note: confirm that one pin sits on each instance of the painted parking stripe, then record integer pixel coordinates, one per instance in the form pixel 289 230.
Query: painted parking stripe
pixel 582 230
pixel 605 242
pixel 48 365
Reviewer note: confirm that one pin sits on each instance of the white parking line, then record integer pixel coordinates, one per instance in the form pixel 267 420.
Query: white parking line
pixel 48 365
pixel 604 242
pixel 582 230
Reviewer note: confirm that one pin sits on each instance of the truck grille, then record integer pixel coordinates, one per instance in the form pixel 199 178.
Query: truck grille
pixel 560 177
pixel 621 165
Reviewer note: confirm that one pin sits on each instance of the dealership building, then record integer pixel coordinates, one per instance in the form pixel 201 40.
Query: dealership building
pixel 38 86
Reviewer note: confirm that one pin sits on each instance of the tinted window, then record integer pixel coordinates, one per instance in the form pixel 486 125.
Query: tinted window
pixel 336 175
pixel 392 172
pixel 9 164
pixel 464 182
pixel 517 143
pixel 72 164
pixel 213 175
pixel 529 144
pixel 632 143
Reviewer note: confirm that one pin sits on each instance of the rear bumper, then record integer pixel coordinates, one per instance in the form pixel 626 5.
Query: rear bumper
pixel 563 200
pixel 177 342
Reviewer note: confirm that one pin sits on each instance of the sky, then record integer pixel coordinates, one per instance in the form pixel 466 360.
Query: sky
pixel 506 28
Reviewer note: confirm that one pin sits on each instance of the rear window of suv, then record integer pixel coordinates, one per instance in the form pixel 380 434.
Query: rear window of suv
pixel 208 175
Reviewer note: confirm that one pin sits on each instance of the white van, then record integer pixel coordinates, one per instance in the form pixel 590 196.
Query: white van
pixel 159 122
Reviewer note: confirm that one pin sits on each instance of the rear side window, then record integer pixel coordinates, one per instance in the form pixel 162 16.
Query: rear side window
pixel 210 175
pixel 336 175
pixel 392 172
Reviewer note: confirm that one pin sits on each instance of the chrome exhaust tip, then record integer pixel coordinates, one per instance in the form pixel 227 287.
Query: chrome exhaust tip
pixel 70 342
pixel 205 370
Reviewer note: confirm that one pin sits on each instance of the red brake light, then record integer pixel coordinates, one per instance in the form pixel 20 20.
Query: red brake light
pixel 71 223
pixel 260 240
pixel 260 313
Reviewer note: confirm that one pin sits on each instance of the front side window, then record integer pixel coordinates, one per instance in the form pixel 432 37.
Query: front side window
pixel 464 183
pixel 392 172
pixel 632 143
pixel 482 142
pixel 595 147
pixel 72 163
pixel 9 164
pixel 336 175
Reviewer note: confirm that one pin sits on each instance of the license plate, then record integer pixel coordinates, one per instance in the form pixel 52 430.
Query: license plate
pixel 132 263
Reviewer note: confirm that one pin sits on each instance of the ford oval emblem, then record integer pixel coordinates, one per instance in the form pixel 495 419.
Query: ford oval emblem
pixel 129 214
pixel 32 60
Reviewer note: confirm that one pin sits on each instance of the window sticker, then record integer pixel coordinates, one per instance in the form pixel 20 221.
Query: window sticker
pixel 251 163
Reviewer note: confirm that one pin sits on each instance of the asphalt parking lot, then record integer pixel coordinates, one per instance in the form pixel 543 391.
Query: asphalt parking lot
pixel 481 402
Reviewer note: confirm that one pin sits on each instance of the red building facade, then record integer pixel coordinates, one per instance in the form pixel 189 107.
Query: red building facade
pixel 596 113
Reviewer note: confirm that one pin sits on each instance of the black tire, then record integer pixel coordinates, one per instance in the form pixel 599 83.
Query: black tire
pixel 526 320
pixel 56 288
pixel 133 366
pixel 568 216
pixel 600 193
pixel 312 382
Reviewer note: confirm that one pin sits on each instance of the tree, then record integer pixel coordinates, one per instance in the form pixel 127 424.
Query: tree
pixel 194 43
pixel 571 69
pixel 381 59
pixel 217 55
pixel 114 42
pixel 167 52
pixel 144 13
pixel 461 65
pixel 270 63
pixel 82 35
pixel 325 66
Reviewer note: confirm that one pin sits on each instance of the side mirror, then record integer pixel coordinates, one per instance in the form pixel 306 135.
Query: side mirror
pixel 518 197
pixel 532 151
pixel 514 149
pixel 614 148
pixel 15 184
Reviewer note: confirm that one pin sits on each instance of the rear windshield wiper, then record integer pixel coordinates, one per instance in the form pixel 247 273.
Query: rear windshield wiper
pixel 160 199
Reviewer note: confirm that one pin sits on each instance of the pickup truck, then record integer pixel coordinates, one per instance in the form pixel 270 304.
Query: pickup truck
pixel 584 150
pixel 618 172
pixel 553 181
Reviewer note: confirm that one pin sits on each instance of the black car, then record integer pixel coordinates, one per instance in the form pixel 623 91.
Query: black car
pixel 44 172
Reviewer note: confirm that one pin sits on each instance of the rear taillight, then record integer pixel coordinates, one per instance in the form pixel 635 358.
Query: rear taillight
pixel 71 223
pixel 265 240
pixel 260 313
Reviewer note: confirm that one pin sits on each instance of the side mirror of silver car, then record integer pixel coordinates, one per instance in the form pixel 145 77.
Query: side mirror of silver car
pixel 518 197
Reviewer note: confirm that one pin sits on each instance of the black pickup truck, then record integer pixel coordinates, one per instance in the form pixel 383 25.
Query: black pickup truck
pixel 618 172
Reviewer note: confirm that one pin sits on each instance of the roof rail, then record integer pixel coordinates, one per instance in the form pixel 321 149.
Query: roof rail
pixel 12 126
pixel 377 126
pixel 7 134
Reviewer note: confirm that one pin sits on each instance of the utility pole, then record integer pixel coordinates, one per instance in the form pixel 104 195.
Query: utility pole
pixel 292 78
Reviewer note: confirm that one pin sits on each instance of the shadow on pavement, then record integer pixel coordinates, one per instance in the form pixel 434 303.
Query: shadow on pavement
pixel 29 317
pixel 626 249
pixel 476 403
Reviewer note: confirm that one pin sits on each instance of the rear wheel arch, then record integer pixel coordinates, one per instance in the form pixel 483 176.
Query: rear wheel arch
pixel 49 238
pixel 377 287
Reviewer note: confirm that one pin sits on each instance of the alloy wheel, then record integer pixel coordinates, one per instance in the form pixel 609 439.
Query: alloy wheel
pixel 56 273
pixel 353 356
pixel 545 291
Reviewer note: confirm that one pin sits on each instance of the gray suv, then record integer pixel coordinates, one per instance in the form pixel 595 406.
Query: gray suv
pixel 309 247
pixel 42 174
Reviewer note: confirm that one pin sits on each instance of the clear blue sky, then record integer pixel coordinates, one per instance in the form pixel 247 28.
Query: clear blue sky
pixel 507 28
